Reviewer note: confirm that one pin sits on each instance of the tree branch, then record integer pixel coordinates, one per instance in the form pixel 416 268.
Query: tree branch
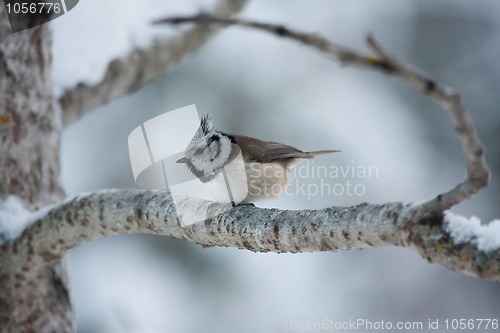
pixel 255 229
pixel 447 98
pixel 140 66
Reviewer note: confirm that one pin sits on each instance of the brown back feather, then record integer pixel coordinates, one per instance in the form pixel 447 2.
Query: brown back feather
pixel 268 151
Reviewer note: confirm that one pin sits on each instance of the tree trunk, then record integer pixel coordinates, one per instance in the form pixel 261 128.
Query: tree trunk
pixel 33 295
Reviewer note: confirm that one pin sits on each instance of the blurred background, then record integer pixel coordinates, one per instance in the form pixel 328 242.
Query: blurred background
pixel 258 85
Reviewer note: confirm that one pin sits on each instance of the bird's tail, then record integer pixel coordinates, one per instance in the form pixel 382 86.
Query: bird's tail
pixel 321 152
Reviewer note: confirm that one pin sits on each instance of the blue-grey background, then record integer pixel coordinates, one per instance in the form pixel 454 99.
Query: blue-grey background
pixel 258 85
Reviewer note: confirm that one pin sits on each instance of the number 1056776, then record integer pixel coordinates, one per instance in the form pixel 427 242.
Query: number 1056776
pixel 471 324
pixel 33 7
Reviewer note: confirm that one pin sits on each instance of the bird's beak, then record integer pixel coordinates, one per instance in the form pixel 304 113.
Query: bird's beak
pixel 181 160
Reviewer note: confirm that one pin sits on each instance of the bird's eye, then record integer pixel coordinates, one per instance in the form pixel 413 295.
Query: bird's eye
pixel 213 138
pixel 199 151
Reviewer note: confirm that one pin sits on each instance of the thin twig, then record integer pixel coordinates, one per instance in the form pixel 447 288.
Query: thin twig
pixel 447 98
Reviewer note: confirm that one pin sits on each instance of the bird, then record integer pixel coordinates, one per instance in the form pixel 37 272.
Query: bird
pixel 239 169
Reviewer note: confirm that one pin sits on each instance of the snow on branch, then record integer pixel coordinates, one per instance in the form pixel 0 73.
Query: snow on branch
pixel 128 74
pixel 470 230
pixel 447 98
pixel 14 218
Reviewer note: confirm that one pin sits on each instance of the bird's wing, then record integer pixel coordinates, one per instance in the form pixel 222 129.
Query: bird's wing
pixel 268 151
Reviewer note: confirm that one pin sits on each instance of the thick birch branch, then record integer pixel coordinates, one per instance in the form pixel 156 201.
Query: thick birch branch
pixel 447 98
pixel 140 66
pixel 255 229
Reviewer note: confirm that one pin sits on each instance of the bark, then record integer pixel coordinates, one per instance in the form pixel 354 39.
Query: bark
pixel 33 294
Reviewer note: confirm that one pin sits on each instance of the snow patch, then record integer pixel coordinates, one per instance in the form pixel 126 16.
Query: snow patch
pixel 14 218
pixel 470 230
